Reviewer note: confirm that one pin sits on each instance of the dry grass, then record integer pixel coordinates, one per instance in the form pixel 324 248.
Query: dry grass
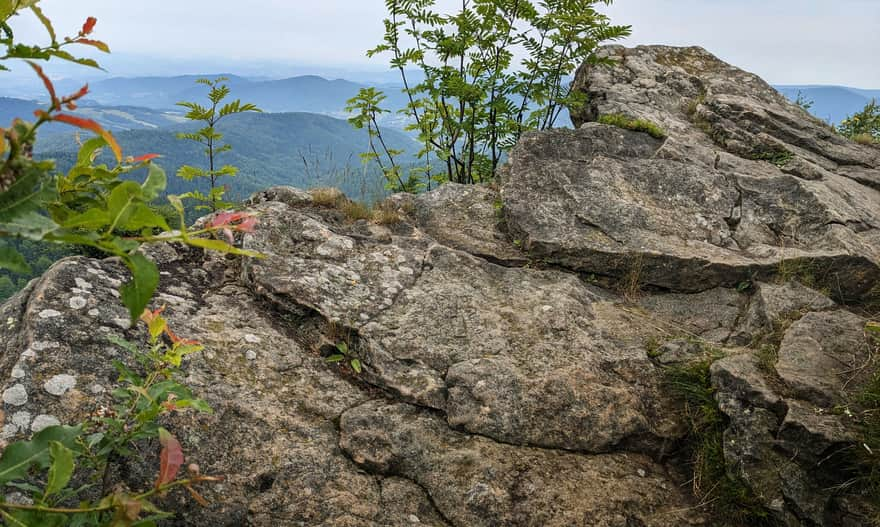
pixel 326 196
pixel 354 210
pixel 865 139
pixel 386 213
pixel 631 285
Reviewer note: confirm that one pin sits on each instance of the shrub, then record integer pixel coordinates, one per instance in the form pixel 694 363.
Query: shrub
pixel 211 139
pixel 863 125
pixel 474 98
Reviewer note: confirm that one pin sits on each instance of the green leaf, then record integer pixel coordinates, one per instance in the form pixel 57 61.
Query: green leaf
pixel 12 260
pixel 120 203
pixel 356 365
pixel 335 358
pixel 91 219
pixel 137 293
pixel 217 245
pixel 155 182
pixel 61 469
pixel 18 458
pixel 343 348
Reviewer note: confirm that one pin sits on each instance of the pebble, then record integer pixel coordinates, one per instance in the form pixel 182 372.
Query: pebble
pixel 59 384
pixel 49 313
pixel 252 339
pixel 250 355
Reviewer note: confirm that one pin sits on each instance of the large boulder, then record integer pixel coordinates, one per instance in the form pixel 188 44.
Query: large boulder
pixel 745 184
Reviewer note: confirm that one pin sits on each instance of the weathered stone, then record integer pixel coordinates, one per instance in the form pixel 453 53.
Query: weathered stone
pixel 824 355
pixel 693 213
pixel 469 218
pixel 496 484
pixel 772 304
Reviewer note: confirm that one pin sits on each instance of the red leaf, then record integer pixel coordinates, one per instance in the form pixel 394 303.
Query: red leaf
pixel 94 43
pixel 46 82
pixel 78 95
pixel 89 26
pixel 88 124
pixel 144 158
pixel 170 459
pixel 248 224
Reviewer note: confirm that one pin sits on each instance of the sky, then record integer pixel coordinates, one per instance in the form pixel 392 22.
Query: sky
pixel 784 41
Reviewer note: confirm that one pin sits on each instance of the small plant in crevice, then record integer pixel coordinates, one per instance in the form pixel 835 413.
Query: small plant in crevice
pixel 66 470
pixel 635 125
pixel 864 458
pixel 345 355
pixel 729 499
pixel 631 285
pixel 778 157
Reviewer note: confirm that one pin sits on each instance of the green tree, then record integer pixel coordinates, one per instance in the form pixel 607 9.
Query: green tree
pixel 7 287
pixel 212 140
pixel 863 126
pixel 476 99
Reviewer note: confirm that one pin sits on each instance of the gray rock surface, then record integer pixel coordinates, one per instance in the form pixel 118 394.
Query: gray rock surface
pixel 702 207
pixel 500 386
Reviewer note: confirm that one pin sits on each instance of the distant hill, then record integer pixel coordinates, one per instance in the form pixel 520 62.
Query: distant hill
pixel 113 118
pixel 308 93
pixel 299 149
pixel 831 103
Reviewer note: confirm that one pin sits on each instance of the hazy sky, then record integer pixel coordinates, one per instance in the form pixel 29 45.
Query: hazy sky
pixel 785 41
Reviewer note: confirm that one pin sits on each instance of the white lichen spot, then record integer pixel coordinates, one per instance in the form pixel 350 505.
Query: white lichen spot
pixel 49 313
pixel 82 284
pixel 28 354
pixel 123 323
pixel 97 389
pixel 641 472
pixel 42 345
pixel 413 519
pixel 60 384
pixel 77 302
pixel 18 372
pixel 9 431
pixel 15 395
pixel 252 339
pixel 44 421
pixel 94 312
pixel 21 419
pixel 250 355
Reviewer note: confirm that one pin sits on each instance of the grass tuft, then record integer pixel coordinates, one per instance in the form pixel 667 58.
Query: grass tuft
pixel 725 495
pixel 326 196
pixel 636 125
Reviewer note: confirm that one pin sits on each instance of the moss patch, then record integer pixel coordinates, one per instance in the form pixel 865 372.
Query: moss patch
pixel 636 125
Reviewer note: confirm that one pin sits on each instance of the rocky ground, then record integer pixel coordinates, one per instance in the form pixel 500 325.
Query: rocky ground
pixel 517 339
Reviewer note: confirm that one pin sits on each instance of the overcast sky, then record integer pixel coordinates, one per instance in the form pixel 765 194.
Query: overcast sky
pixel 785 41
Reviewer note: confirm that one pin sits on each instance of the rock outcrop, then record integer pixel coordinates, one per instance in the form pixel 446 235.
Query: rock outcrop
pixel 516 341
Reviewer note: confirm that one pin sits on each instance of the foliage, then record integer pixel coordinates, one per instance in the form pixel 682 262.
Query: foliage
pixel 65 470
pixel 803 102
pixel 91 205
pixel 866 458
pixel 729 498
pixel 212 140
pixel 344 354
pixel 636 125
pixel 475 100
pixel 864 124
